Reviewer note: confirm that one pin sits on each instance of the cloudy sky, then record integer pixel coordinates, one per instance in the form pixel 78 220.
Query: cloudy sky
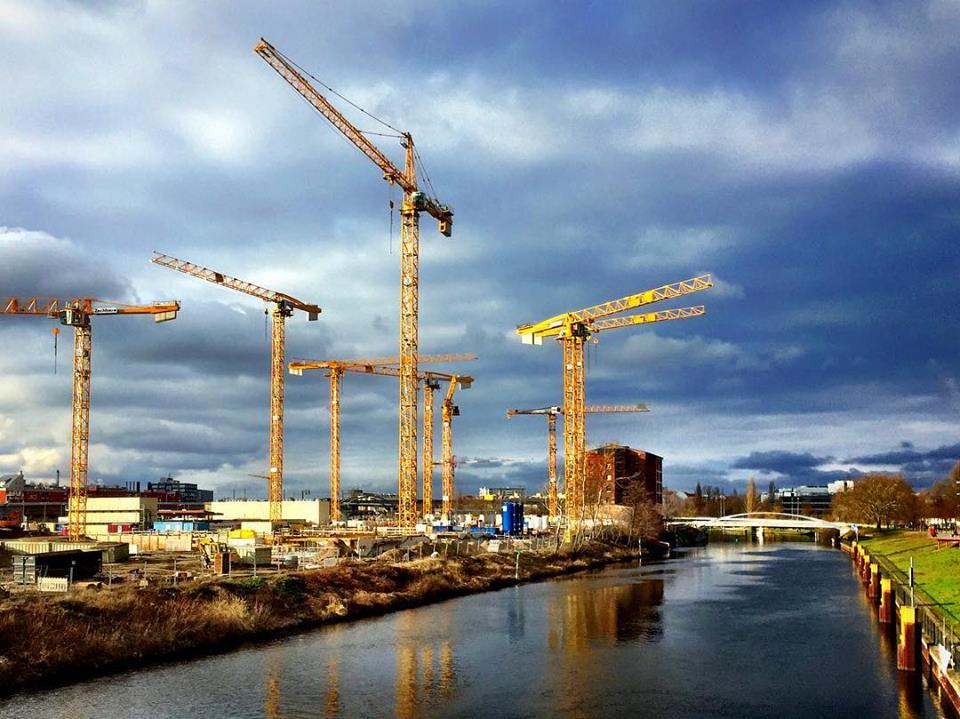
pixel 807 153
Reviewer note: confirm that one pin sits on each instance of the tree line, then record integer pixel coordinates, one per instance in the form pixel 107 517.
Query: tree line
pixel 875 499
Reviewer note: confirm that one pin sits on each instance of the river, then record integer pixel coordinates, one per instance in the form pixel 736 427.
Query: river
pixel 733 630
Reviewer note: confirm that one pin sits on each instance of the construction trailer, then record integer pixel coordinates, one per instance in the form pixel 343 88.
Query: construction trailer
pixel 73 565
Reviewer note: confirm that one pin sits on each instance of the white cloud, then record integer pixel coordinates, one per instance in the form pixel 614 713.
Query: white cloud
pixel 659 246
pixel 34 460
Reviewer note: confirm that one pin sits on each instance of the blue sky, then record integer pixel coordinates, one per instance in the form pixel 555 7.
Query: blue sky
pixel 808 154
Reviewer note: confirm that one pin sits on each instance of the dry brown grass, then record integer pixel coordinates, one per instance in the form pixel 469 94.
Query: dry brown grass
pixel 64 638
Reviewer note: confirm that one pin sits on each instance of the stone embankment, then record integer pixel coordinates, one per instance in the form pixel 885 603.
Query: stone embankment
pixel 910 587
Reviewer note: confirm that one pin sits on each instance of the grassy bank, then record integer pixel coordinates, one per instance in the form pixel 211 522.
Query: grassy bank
pixel 47 639
pixel 937 573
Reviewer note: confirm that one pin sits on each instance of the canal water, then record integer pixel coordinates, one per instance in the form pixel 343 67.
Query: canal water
pixel 733 630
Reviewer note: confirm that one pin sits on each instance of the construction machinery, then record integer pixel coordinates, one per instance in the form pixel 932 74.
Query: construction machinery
pixel 76 313
pixel 414 202
pixel 573 330
pixel 334 372
pixel 214 555
pixel 553 502
pixel 283 307
pixel 448 410
pixel 430 382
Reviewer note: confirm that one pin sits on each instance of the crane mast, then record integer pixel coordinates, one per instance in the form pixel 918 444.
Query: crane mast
pixel 414 202
pixel 336 384
pixel 429 386
pixel 553 502
pixel 447 412
pixel 573 329
pixel 76 313
pixel 387 366
pixel 80 431
pixel 283 307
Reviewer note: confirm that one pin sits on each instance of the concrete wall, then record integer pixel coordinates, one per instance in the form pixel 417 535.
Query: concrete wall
pixel 311 511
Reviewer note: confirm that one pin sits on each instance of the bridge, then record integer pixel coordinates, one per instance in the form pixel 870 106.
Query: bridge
pixel 765 520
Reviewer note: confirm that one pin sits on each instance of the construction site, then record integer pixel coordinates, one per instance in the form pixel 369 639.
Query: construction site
pixel 169 523
pixel 60 539
pixel 356 360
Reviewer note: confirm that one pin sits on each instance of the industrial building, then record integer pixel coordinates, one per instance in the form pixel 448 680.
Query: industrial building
pixel 108 516
pixel 311 512
pixel 811 500
pixel 499 493
pixel 359 504
pixel 613 470
pixel 45 503
pixel 185 495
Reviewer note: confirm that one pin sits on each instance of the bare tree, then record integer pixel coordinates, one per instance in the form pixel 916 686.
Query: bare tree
pixel 879 499
pixel 646 520
pixel 752 500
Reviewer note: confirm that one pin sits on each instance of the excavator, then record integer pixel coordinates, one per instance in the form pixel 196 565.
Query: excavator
pixel 214 555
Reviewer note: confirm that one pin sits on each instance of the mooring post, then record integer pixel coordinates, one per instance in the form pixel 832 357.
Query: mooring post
pixel 907 640
pixel 874 589
pixel 886 601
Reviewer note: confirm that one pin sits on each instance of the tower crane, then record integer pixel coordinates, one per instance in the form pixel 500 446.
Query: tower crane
pixel 431 379
pixel 335 370
pixel 283 307
pixel 551 413
pixel 572 330
pixel 414 202
pixel 448 411
pixel 76 313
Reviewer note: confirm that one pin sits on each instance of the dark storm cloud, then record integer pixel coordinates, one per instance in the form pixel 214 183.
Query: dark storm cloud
pixel 779 461
pixel 36 263
pixel 924 467
pixel 805 152
pixel 949 453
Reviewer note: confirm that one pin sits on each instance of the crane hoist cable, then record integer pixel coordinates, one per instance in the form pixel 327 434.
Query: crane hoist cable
pixel 342 97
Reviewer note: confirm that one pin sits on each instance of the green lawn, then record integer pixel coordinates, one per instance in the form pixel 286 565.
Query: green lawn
pixel 936 572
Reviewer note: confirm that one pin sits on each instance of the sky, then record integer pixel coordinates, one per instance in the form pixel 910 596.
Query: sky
pixel 806 153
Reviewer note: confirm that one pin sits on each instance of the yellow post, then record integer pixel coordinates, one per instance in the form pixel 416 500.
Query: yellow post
pixel 886 601
pixel 874 586
pixel 907 640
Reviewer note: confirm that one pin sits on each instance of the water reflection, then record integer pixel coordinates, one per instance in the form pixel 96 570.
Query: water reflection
pixel 271 691
pixel 728 632
pixel 610 614
pixel 331 694
pixel 425 669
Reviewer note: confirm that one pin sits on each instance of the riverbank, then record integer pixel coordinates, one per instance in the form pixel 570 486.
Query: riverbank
pixel 932 630
pixel 55 639
pixel 936 572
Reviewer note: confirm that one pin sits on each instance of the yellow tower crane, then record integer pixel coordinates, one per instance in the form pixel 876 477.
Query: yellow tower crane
pixel 448 410
pixel 283 307
pixel 335 370
pixel 572 330
pixel 414 202
pixel 76 313
pixel 553 502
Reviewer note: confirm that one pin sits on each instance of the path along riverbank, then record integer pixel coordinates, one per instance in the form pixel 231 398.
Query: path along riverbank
pixel 915 586
pixel 47 640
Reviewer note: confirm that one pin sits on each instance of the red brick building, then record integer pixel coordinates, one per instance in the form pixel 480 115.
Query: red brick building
pixel 612 470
